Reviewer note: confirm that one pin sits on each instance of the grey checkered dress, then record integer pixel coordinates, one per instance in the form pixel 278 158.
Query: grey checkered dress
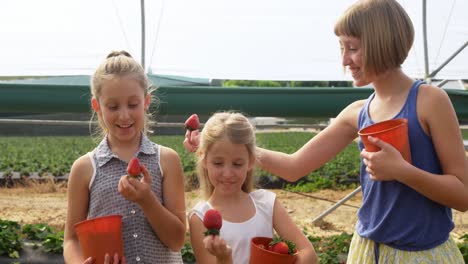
pixel 141 244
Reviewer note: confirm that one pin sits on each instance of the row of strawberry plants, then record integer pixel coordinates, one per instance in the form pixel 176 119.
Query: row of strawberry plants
pixel 13 237
pixel 330 250
pixel 42 155
pixel 54 156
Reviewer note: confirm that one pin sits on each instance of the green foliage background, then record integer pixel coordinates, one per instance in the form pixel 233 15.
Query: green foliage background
pixel 266 83
pixel 55 156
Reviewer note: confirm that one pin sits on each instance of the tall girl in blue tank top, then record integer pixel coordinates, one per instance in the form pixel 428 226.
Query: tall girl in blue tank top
pixel 152 207
pixel 406 208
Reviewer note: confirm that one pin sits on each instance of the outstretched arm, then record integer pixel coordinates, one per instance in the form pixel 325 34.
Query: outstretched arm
pixel 317 151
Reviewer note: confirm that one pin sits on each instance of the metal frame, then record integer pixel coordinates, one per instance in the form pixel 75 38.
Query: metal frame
pixel 428 76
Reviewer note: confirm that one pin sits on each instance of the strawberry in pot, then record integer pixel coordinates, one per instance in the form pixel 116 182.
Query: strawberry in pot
pixel 282 246
pixel 274 250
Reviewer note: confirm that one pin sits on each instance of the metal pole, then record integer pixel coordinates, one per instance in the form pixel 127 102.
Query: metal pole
pixel 340 202
pixel 448 60
pixel 442 83
pixel 142 33
pixel 426 56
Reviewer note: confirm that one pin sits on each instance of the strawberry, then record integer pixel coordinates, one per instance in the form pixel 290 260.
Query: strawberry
pixel 279 247
pixel 282 246
pixel 134 168
pixel 192 123
pixel 291 246
pixel 213 222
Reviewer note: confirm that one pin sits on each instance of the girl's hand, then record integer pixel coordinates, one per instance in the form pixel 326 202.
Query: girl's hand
pixel 387 164
pixel 192 140
pixel 136 190
pixel 107 259
pixel 218 247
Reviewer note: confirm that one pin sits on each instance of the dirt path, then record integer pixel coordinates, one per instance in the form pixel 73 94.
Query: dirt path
pixel 47 204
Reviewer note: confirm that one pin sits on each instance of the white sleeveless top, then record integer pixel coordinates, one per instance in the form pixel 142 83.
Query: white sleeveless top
pixel 238 235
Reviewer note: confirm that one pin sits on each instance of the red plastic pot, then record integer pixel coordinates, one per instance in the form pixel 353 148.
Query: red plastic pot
pixel 260 255
pixel 99 236
pixel 394 132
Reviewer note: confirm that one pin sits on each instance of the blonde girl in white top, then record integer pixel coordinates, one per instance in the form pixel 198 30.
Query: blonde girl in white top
pixel 226 158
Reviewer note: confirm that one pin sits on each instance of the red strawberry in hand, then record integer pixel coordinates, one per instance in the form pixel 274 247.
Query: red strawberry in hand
pixel 192 123
pixel 134 168
pixel 213 222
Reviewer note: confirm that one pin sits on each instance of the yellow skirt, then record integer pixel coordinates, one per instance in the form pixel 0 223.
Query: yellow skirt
pixel 361 251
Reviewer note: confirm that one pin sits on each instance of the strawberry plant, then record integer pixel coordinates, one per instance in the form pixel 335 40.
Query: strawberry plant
pixel 53 242
pixel 36 232
pixel 12 237
pixel 342 172
pixel 9 238
pixel 39 156
pixel 463 246
pixel 42 155
pixel 43 235
pixel 187 253
pixel 331 250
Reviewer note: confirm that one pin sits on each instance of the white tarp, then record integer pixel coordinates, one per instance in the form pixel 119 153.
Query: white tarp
pixel 216 39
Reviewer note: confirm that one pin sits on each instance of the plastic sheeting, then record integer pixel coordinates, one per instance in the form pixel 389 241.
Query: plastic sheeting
pixel 215 39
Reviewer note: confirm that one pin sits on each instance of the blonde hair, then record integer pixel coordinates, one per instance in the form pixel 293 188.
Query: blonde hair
pixel 237 128
pixel 120 64
pixel 385 30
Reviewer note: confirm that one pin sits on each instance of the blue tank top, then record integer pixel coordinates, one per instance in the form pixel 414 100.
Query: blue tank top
pixel 393 213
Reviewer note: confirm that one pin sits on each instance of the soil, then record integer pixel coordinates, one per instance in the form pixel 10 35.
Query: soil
pixel 47 203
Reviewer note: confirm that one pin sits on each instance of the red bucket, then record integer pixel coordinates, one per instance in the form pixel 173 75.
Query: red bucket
pixel 259 254
pixel 99 236
pixel 394 132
